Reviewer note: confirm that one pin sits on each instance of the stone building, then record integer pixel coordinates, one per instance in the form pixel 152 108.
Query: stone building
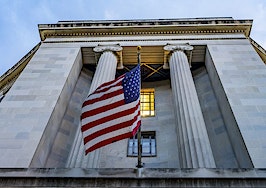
pixel 203 105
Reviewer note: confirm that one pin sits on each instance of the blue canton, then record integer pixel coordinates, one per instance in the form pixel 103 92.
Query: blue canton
pixel 131 85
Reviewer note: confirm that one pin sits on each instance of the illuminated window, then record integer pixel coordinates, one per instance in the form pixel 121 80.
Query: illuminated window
pixel 148 143
pixel 147 102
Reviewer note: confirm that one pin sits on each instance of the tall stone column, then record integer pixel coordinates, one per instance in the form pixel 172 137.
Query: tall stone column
pixel 105 71
pixel 194 146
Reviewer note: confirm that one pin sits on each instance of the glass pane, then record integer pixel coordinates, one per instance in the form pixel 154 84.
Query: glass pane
pixel 152 106
pixel 130 143
pixel 148 142
pixel 135 151
pixel 146 98
pixel 129 151
pixel 145 113
pixel 146 149
pixel 147 102
pixel 146 107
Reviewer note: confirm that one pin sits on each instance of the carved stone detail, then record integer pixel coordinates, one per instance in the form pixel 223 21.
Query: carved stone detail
pixel 113 48
pixel 174 47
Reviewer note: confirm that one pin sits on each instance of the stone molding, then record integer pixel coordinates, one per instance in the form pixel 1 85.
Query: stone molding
pixel 113 48
pixel 174 47
pixel 145 27
pixel 142 40
pixel 78 177
pixel 47 33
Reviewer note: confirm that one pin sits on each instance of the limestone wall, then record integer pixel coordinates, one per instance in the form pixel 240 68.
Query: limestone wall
pixel 70 124
pixel 33 108
pixel 239 76
pixel 34 119
pixel 222 150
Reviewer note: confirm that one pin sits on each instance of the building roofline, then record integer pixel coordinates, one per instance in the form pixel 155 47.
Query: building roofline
pixel 145 26
pixel 259 49
pixel 10 76
pixel 145 20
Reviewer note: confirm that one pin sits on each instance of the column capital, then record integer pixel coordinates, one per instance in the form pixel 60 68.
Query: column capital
pixel 174 47
pixel 113 48
pixel 171 48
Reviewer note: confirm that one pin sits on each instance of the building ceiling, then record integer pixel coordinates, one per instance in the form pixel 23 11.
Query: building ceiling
pixel 152 60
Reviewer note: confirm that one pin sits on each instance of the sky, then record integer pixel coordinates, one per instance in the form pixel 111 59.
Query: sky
pixel 19 19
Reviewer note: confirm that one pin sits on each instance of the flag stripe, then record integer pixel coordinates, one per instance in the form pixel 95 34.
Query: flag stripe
pixel 103 103
pixel 102 97
pixel 135 130
pixel 105 88
pixel 110 123
pixel 110 83
pixel 137 123
pixel 100 94
pixel 102 109
pixel 112 111
pixel 110 129
pixel 108 141
pixel 109 112
pixel 107 136
pixel 107 118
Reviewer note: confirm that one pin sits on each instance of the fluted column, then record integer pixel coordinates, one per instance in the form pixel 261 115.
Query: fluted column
pixel 194 146
pixel 105 71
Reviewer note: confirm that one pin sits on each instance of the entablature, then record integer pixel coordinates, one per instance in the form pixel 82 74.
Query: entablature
pixel 145 27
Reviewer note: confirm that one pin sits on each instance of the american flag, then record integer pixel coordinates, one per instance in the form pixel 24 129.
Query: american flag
pixel 112 111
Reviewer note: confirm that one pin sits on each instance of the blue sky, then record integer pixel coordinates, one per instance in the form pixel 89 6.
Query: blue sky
pixel 19 19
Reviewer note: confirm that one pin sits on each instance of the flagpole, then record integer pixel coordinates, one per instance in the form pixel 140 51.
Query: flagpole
pixel 139 131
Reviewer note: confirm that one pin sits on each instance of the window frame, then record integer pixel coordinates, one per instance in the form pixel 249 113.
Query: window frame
pixel 150 141
pixel 148 103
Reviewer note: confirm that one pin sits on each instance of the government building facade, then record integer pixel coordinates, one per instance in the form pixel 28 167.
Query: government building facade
pixel 203 105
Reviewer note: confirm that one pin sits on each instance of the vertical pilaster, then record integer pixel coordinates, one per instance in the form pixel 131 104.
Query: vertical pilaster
pixel 194 146
pixel 105 71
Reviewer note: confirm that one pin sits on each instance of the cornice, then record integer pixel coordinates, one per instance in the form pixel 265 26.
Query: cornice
pixel 144 27
pixel 89 40
pixel 259 49
pixel 9 77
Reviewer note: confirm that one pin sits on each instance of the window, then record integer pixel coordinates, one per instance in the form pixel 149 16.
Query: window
pixel 147 102
pixel 148 142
